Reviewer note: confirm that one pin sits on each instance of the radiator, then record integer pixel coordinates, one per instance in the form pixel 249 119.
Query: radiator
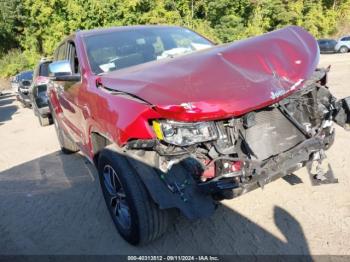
pixel 272 134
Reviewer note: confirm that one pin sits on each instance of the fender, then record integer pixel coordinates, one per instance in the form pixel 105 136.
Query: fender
pixel 174 189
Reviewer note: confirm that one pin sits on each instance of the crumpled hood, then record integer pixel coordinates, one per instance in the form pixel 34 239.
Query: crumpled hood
pixel 226 80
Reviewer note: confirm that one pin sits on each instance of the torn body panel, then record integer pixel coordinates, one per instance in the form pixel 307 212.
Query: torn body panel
pixel 250 151
pixel 271 117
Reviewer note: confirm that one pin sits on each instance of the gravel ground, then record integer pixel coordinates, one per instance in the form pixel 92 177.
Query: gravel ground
pixel 51 203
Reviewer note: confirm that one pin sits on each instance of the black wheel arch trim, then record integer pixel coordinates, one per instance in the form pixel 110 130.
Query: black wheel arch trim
pixel 194 205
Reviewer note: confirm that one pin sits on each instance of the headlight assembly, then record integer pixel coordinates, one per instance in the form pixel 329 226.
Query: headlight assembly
pixel 183 133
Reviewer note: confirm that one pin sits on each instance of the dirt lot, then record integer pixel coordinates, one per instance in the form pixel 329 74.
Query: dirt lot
pixel 51 203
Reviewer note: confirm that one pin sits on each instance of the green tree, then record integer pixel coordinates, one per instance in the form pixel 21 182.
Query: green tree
pixel 37 26
pixel 11 25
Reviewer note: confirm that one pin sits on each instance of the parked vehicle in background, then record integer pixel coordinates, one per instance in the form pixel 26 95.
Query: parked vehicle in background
pixel 173 122
pixel 38 94
pixel 14 83
pixel 24 82
pixel 343 45
pixel 327 45
pixel 16 80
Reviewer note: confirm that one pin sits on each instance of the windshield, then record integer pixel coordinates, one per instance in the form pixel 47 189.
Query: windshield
pixel 25 76
pixel 120 49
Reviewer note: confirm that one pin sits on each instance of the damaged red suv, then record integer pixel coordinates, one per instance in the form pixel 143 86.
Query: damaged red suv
pixel 173 122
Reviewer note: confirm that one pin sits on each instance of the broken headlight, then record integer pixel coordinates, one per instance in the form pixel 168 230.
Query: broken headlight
pixel 183 133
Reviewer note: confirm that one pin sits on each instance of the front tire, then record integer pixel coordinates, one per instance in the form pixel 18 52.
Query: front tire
pixel 135 215
pixel 43 121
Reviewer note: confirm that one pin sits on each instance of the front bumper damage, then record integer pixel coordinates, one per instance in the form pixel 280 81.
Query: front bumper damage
pixel 251 151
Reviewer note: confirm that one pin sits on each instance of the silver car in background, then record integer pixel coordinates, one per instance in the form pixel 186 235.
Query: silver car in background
pixel 343 45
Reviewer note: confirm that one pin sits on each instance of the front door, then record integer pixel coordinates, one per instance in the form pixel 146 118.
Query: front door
pixel 68 92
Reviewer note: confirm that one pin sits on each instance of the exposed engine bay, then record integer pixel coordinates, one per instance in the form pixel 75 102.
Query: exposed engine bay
pixel 244 153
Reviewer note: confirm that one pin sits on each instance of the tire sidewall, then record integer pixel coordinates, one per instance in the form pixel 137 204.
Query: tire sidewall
pixel 343 49
pixel 121 166
pixel 40 122
pixel 43 121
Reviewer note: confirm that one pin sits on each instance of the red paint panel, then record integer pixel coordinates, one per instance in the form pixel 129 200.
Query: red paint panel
pixel 220 82
pixel 227 80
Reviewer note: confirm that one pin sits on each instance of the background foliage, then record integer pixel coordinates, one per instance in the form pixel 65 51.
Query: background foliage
pixel 32 28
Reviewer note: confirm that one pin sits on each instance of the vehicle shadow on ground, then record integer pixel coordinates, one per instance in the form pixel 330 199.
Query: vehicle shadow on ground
pixel 54 205
pixel 7 109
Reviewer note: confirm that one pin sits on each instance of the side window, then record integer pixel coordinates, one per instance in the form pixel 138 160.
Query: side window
pixel 73 58
pixel 44 69
pixel 345 38
pixel 36 72
pixel 55 55
pixel 61 54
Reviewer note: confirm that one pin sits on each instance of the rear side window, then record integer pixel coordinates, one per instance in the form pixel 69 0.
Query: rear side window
pixel 346 38
pixel 73 58
pixel 60 52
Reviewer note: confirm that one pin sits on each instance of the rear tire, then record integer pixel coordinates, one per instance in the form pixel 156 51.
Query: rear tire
pixel 44 121
pixel 146 221
pixel 343 50
pixel 67 145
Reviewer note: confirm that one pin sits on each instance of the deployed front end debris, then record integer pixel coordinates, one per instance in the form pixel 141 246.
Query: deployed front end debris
pixel 232 118
pixel 226 158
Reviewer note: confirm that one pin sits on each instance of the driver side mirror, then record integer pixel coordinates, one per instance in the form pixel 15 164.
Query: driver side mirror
pixel 62 71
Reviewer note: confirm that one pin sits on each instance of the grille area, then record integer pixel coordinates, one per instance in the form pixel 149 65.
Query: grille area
pixel 272 134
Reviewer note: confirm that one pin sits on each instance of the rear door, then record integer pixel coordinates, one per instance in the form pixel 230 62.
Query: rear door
pixel 333 43
pixel 327 46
